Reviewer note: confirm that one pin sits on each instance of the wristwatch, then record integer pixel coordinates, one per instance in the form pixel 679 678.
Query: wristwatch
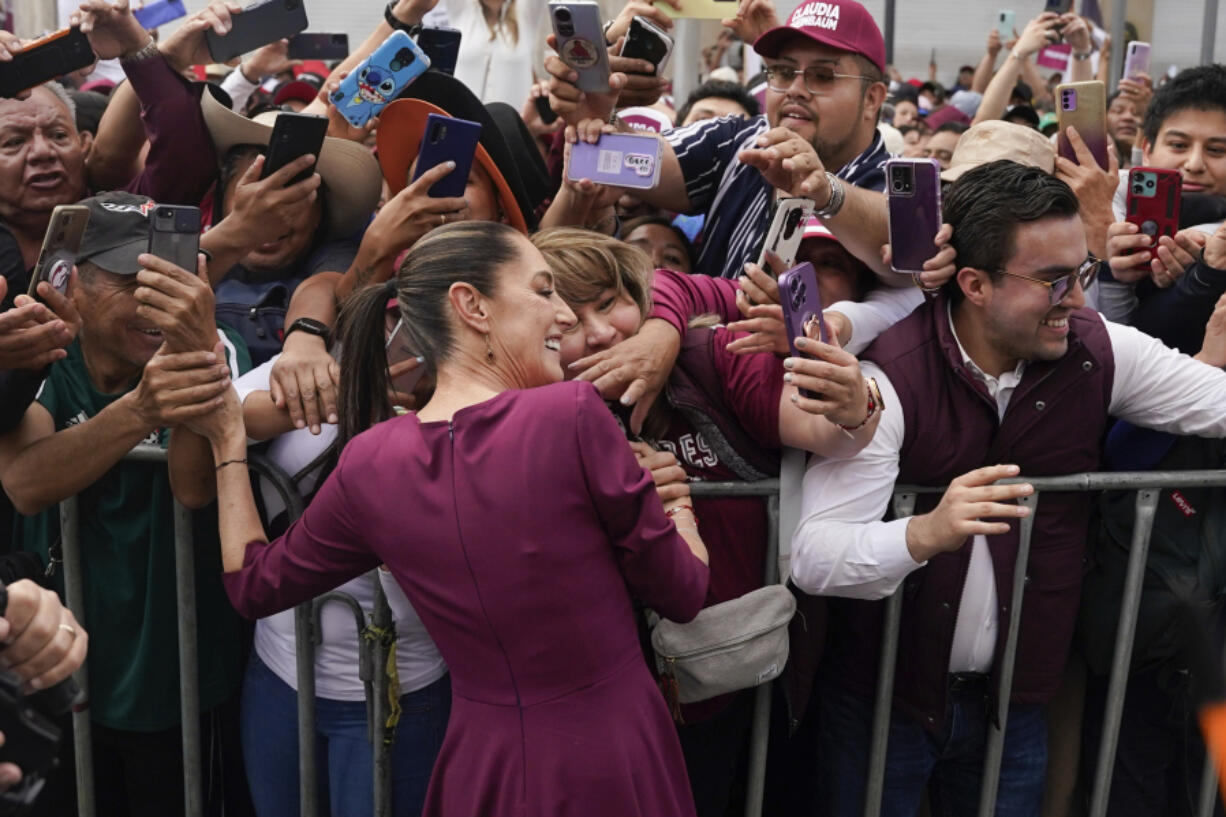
pixel 1082 56
pixel 392 20
pixel 312 327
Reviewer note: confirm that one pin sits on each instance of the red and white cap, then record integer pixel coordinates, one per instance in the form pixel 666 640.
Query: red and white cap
pixel 842 24
pixel 815 229
pixel 645 119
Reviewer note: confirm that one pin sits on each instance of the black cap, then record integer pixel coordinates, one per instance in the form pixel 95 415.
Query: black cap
pixel 1023 112
pixel 117 232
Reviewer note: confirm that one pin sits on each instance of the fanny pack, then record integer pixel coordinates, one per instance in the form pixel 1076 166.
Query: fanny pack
pixel 729 646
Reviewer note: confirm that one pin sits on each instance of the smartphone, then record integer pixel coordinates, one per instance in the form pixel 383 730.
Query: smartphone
pixel 377 80
pixel 257 25
pixel 60 245
pixel 913 188
pixel 646 41
pixel 159 13
pixel 617 159
pixel 581 43
pixel 174 235
pixel 802 306
pixel 1084 106
pixel 1058 6
pixel 1153 202
pixel 1137 60
pixel 442 46
pixel 547 114
pixel 48 58
pixel 294 135
pixel 317 45
pixel 448 139
pixel 398 352
pixel 1006 22
pixel 786 232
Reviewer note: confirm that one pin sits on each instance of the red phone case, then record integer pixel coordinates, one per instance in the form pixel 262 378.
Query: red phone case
pixel 1153 202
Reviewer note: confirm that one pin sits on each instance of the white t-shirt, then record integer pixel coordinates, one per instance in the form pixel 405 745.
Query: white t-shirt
pixel 336 657
pixel 498 70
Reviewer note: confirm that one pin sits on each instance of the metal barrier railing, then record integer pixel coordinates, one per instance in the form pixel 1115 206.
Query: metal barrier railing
pixel 375 652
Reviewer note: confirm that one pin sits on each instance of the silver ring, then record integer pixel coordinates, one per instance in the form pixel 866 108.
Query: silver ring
pixel 72 631
pixel 442 219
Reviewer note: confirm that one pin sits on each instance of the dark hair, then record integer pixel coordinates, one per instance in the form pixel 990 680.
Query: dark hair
pixel 468 251
pixel 953 127
pixel 88 109
pixel 721 90
pixel 660 221
pixel 987 204
pixel 1202 88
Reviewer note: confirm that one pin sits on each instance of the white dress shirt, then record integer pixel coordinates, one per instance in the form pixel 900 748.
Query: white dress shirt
pixel 501 69
pixel 841 548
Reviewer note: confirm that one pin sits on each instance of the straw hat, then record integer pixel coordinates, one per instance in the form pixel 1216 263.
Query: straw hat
pixel 351 181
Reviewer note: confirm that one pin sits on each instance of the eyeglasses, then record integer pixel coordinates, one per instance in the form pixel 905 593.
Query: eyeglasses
pixel 1062 286
pixel 819 79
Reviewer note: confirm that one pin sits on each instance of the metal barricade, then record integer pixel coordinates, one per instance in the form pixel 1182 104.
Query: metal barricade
pixel 1145 484
pixel 376 654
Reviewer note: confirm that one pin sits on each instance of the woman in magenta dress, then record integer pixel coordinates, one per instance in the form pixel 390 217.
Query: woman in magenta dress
pixel 519 525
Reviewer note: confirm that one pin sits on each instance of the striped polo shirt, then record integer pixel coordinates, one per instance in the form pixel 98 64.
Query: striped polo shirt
pixel 735 197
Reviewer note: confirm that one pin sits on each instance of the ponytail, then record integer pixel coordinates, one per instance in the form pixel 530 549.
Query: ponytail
pixel 364 375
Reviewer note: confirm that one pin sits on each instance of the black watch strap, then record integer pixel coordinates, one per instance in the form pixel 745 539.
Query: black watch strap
pixel 399 25
pixel 312 327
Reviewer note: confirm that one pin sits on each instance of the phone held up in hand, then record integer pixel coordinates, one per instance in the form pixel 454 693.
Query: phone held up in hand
pixel 1083 105
pixel 913 189
pixel 61 243
pixel 380 78
pixel 802 310
pixel 294 135
pixel 442 46
pixel 618 160
pixel 581 43
pixel 50 57
pixel 174 235
pixel 1137 60
pixel 255 26
pixel 1153 203
pixel 645 41
pixel 786 231
pixel 318 45
pixel 448 140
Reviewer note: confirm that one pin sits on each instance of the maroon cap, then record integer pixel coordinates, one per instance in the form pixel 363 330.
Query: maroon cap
pixel 842 24
pixel 946 114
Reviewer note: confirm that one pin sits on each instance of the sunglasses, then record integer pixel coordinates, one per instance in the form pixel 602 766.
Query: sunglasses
pixel 1060 288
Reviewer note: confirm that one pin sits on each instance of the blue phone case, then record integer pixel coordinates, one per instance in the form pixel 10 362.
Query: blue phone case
pixel 618 160
pixel 448 139
pixel 159 13
pixel 379 79
pixel 802 304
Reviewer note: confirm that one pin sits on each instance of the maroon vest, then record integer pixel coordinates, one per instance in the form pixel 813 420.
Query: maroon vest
pixel 1054 425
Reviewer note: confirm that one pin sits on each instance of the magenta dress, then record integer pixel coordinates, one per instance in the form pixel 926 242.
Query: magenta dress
pixel 520 531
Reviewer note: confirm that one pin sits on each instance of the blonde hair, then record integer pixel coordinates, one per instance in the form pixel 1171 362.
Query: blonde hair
pixel 585 264
pixel 505 17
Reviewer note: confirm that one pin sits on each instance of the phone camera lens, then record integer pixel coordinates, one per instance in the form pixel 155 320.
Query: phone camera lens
pixel 1149 183
pixel 562 15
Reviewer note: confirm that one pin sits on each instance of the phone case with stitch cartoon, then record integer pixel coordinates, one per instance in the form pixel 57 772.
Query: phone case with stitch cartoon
pixel 378 80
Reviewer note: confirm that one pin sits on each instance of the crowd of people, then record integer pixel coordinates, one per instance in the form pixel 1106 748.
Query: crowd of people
pixel 494 406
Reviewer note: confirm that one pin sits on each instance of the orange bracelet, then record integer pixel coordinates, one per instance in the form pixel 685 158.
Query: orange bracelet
pixel 671 512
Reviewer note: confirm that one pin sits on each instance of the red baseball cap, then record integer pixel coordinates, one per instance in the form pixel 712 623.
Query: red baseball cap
pixel 842 24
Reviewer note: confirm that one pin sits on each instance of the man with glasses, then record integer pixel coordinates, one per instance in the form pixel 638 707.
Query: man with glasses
pixel 1004 365
pixel 818 139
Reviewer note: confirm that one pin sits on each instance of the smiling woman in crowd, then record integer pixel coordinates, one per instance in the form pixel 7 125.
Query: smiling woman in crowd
pixel 518 524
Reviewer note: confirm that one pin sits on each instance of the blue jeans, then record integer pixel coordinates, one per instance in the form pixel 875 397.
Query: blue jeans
pixel 344 757
pixel 948 763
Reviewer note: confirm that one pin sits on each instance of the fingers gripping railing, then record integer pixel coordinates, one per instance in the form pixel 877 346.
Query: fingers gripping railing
pixel 1146 485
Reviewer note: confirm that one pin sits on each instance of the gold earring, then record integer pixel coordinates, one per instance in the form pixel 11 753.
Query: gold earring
pixel 489 350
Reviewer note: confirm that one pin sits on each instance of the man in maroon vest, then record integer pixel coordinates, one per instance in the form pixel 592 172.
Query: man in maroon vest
pixel 1005 365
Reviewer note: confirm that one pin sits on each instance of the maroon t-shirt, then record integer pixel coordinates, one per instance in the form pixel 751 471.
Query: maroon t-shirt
pixel 733 528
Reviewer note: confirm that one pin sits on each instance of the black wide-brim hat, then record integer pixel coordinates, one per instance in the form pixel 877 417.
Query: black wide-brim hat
pixel 506 149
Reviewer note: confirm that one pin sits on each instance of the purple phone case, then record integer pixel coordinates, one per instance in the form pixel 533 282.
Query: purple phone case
pixel 915 216
pixel 618 160
pixel 1137 61
pixel 802 303
pixel 457 144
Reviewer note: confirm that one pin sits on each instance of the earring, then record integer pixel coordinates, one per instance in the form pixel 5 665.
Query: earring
pixel 489 350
